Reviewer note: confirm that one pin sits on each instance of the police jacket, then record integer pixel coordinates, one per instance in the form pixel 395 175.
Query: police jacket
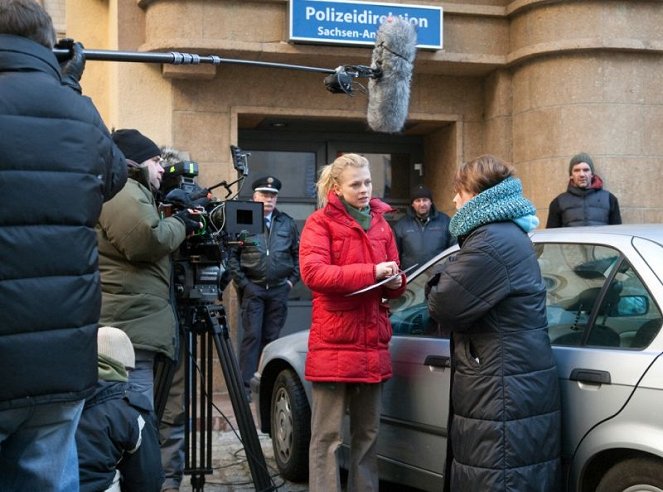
pixel 57 166
pixel 349 338
pixel 268 259
pixel 135 244
pixel 506 421
pixel 419 240
pixel 584 207
pixel 116 432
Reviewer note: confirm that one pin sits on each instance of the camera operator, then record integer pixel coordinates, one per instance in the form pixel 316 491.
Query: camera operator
pixel 135 244
pixel 171 426
pixel 264 270
pixel 58 165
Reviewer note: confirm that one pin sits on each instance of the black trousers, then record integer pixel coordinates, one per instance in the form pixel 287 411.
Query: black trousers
pixel 264 313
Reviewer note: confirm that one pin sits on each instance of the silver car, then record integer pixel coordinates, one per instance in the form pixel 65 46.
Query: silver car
pixel 605 293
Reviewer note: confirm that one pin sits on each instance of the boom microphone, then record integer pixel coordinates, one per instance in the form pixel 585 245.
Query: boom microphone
pixel 389 89
pixel 390 71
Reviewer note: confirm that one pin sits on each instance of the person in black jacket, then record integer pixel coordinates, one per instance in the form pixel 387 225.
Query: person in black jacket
pixel 118 446
pixel 585 202
pixel 423 232
pixel 505 428
pixel 264 270
pixel 58 165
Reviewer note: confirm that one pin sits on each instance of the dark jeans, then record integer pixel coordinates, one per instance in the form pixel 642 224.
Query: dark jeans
pixel 263 315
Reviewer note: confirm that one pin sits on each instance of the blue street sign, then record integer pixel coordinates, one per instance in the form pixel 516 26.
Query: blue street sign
pixel 345 22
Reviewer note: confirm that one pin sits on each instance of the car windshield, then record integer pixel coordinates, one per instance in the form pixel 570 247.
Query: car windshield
pixel 594 298
pixel 410 311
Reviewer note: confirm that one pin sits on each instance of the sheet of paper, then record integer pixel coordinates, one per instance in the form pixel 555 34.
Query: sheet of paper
pixel 383 281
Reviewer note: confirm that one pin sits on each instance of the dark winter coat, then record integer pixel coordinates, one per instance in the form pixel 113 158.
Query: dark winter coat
pixel 584 207
pixel 57 166
pixel 418 241
pixel 135 244
pixel 349 338
pixel 116 432
pixel 268 259
pixel 505 430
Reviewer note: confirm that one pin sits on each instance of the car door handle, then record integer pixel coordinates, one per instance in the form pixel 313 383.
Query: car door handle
pixel 437 361
pixel 592 376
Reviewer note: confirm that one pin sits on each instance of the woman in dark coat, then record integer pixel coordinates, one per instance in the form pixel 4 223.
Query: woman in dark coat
pixel 506 420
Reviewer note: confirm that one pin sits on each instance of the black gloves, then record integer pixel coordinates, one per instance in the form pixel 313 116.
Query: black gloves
pixel 72 69
pixel 178 198
pixel 193 222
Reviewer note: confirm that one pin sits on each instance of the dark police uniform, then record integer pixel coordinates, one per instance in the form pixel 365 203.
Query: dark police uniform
pixel 264 270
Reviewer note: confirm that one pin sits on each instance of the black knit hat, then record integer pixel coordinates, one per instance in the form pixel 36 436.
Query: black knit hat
pixel 420 191
pixel 135 146
pixel 578 158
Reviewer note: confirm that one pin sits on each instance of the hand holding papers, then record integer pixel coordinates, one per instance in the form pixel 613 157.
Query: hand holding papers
pixel 383 281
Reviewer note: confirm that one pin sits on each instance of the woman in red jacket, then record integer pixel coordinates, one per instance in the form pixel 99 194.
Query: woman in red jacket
pixel 345 246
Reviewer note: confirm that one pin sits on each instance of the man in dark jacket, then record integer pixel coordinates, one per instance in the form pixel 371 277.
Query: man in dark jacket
pixel 585 202
pixel 117 442
pixel 264 270
pixel 58 165
pixel 423 232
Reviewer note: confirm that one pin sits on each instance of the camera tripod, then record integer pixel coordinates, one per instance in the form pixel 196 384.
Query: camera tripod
pixel 206 331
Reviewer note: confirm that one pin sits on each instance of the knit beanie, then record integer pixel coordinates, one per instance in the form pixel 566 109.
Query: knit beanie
pixel 578 158
pixel 115 344
pixel 135 146
pixel 420 191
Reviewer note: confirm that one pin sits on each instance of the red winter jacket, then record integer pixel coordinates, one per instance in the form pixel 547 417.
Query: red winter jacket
pixel 349 339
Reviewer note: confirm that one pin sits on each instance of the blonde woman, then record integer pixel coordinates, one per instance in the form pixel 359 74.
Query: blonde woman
pixel 347 245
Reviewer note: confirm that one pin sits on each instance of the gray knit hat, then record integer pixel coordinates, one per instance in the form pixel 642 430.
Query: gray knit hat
pixel 578 158
pixel 114 343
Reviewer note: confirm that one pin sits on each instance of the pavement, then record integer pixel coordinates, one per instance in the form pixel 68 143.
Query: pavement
pixel 231 471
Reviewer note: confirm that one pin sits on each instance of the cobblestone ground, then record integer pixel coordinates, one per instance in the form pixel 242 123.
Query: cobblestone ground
pixel 231 471
pixel 231 468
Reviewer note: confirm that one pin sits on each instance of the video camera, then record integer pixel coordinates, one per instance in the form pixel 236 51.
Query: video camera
pixel 201 273
pixel 200 277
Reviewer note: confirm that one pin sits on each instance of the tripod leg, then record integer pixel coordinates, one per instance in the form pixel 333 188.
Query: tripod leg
pixel 240 403
pixel 198 407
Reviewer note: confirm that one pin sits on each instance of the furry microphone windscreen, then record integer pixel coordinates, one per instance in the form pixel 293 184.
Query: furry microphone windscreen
pixel 389 94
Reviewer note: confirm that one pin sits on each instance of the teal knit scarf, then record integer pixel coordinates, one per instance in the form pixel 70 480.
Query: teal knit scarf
pixel 504 201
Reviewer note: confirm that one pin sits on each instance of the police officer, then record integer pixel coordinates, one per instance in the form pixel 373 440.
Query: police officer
pixel 264 270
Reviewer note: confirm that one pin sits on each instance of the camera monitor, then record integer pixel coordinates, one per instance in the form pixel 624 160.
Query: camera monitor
pixel 243 217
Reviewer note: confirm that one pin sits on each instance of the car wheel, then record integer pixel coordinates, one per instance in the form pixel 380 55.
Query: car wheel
pixel 291 426
pixel 633 475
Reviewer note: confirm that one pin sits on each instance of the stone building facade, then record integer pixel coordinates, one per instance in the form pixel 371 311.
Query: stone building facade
pixel 532 81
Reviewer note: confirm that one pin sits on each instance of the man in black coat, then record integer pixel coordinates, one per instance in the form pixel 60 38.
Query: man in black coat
pixel 117 440
pixel 585 202
pixel 264 270
pixel 57 167
pixel 423 232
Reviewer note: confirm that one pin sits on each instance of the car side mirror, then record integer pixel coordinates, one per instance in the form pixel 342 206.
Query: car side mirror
pixel 632 305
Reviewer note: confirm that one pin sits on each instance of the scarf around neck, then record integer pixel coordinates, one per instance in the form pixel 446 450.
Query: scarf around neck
pixel 502 202
pixel 111 369
pixel 363 216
